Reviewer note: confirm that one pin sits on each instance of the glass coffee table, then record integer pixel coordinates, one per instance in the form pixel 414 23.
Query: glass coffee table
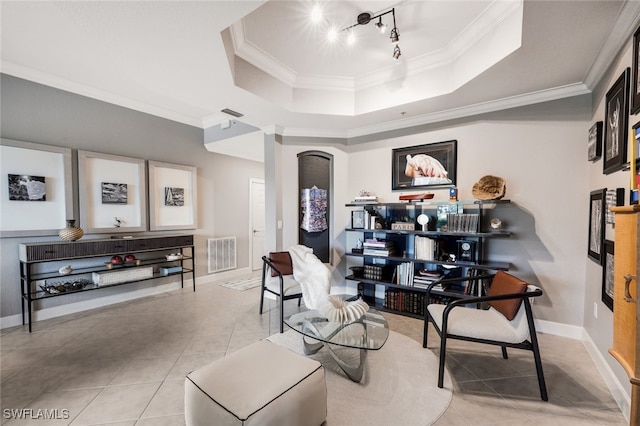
pixel 369 332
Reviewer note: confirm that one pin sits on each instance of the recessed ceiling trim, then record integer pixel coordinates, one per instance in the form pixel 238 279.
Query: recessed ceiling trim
pixel 258 57
pixel 567 91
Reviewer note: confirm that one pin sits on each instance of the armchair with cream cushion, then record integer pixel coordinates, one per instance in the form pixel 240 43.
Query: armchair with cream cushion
pixel 508 322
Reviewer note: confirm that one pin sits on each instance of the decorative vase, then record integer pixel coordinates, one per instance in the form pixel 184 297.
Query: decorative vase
pixel 71 232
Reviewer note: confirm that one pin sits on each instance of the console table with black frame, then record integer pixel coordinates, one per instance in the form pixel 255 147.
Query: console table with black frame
pixel 91 269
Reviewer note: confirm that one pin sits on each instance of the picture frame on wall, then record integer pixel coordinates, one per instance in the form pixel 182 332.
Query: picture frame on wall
pixel 635 85
pixel 113 193
pixel 614 150
pixel 423 166
pixel 614 197
pixel 594 148
pixel 36 188
pixel 596 225
pixel 607 274
pixel 172 196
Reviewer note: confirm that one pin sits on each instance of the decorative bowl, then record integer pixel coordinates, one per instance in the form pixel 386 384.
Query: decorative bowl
pixel 173 256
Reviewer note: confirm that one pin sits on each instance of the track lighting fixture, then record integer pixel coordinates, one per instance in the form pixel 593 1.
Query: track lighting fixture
pixel 396 52
pixel 363 19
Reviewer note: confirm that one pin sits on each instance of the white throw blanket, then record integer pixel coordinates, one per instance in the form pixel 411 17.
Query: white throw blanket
pixel 312 275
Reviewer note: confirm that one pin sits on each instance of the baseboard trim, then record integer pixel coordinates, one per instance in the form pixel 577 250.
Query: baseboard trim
pixel 619 393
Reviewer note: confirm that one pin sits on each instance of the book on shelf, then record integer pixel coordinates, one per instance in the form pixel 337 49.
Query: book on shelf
pixel 375 242
pixel 425 248
pixel 368 251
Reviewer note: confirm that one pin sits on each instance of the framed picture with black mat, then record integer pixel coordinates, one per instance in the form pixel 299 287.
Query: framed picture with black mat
pixel 616 131
pixel 596 224
pixel 607 274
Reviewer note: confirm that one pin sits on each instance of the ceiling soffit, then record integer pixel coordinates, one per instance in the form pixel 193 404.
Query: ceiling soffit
pixel 488 38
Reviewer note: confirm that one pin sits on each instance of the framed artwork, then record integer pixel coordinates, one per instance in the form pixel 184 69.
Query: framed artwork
pixel 594 149
pixel 596 225
pixel 616 124
pixel 112 193
pixel 36 188
pixel 607 274
pixel 635 85
pixel 430 165
pixel 614 197
pixel 27 188
pixel 172 196
pixel 357 219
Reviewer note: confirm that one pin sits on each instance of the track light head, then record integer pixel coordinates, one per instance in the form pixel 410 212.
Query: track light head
pixel 396 52
pixel 380 26
pixel 395 36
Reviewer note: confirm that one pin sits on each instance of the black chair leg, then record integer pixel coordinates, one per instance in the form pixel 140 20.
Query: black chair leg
pixel 425 332
pixel 281 314
pixel 504 352
pixel 536 356
pixel 443 354
pixel 299 300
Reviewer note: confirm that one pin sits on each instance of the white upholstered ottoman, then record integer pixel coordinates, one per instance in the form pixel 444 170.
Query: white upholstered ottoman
pixel 261 384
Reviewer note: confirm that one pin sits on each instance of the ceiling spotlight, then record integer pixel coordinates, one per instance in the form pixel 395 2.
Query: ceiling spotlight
pixel 396 52
pixel 316 13
pixel 395 37
pixel 381 27
pixel 351 38
pixel 332 35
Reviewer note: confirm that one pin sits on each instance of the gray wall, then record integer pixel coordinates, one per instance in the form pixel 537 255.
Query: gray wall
pixel 35 113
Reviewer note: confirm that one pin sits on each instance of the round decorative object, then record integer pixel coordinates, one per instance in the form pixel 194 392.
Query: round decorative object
pixel 496 223
pixel 65 270
pixel 423 219
pixel 336 309
pixel 116 260
pixel 71 232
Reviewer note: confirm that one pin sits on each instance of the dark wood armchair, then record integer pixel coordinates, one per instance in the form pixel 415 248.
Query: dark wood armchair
pixel 277 279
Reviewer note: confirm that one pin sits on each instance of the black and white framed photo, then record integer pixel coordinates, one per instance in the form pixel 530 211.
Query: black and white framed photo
pixel 112 192
pixel 596 225
pixel 27 188
pixel 173 196
pixel 635 84
pixel 614 197
pixel 172 199
pixel 614 148
pixel 429 165
pixel 607 274
pixel 36 188
pixel 594 148
pixel 357 219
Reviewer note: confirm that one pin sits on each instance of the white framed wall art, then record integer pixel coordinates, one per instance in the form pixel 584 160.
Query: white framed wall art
pixel 36 188
pixel 172 196
pixel 112 193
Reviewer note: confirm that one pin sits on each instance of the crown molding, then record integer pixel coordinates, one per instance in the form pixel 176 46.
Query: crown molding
pixel 622 32
pixel 567 91
pixel 50 80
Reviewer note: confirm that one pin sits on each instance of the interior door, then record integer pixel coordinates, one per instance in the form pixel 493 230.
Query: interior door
pixel 257 223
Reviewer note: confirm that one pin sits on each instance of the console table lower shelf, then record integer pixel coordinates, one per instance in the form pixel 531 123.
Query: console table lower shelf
pixel 86 266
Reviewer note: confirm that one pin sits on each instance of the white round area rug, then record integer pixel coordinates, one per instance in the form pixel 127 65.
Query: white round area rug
pixel 399 386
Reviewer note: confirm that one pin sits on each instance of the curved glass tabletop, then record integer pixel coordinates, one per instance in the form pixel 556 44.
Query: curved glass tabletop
pixel 369 332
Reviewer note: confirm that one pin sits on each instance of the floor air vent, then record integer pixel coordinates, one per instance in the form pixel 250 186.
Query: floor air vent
pixel 222 254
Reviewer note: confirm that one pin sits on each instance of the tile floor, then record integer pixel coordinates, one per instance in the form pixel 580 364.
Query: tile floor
pixel 125 365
